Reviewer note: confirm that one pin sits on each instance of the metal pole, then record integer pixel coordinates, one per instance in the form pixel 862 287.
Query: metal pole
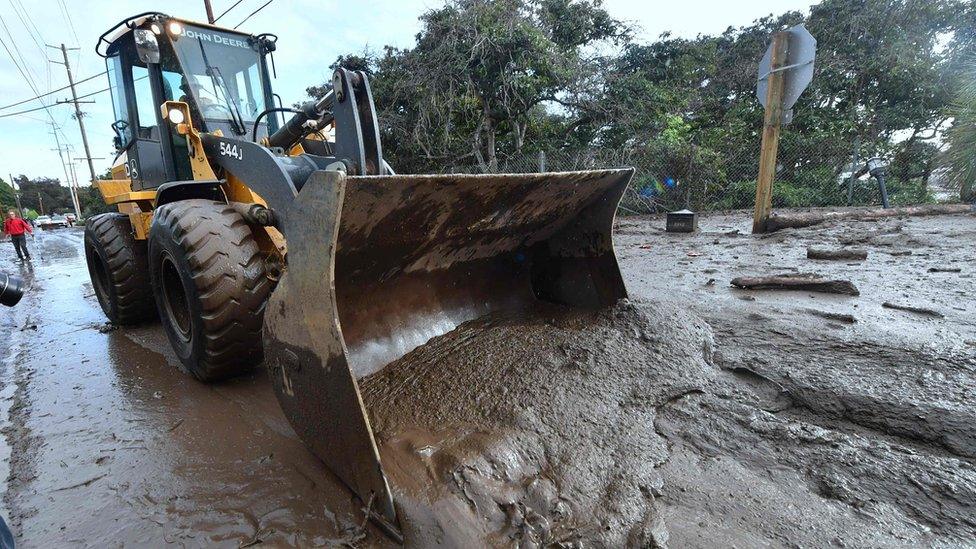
pixel 78 115
pixel 854 168
pixel 884 191
pixel 210 15
pixel 542 161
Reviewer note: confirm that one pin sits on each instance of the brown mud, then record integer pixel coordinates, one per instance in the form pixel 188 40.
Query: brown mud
pixel 684 417
pixel 537 430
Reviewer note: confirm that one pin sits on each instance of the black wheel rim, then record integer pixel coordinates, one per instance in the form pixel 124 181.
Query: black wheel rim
pixel 174 297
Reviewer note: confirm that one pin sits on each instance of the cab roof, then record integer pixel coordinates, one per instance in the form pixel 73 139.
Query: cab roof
pixel 124 27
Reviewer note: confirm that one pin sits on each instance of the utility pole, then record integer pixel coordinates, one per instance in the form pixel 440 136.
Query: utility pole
pixel 74 100
pixel 74 177
pixel 72 185
pixel 20 209
pixel 40 202
pixel 210 15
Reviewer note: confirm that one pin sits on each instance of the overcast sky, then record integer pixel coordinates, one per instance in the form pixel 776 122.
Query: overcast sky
pixel 311 34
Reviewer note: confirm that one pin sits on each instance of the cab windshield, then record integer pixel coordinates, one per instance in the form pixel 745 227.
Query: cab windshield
pixel 222 72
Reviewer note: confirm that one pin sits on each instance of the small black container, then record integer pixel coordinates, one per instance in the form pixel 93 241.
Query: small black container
pixel 682 221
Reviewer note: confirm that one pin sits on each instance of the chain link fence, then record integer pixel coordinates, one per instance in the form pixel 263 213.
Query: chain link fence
pixel 705 179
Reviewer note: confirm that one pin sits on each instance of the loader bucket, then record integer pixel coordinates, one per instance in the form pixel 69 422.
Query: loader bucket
pixel 379 265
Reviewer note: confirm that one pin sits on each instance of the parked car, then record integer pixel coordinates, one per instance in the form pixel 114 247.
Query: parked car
pixel 51 222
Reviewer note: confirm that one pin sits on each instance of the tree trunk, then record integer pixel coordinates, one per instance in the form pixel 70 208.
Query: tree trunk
pixel 492 158
pixel 806 219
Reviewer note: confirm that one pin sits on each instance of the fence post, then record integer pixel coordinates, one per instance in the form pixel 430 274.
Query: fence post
pixel 542 161
pixel 770 138
pixel 854 166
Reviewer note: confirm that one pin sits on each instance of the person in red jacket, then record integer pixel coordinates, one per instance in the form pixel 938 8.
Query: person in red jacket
pixel 16 228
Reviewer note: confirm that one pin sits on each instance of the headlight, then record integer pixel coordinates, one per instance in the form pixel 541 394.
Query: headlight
pixel 175 28
pixel 176 116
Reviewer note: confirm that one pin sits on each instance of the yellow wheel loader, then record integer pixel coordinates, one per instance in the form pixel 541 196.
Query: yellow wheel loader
pixel 291 242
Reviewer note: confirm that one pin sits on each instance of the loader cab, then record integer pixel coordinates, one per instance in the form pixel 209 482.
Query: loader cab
pixel 221 74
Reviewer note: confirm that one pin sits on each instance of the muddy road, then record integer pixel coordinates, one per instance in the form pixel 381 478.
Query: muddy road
pixel 692 415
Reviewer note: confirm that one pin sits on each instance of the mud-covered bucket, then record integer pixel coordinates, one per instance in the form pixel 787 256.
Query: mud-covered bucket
pixel 379 265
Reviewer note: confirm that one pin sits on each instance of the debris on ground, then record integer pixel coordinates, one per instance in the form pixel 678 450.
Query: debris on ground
pixel 796 281
pixel 840 317
pixel 778 221
pixel 912 309
pixel 840 254
pixel 945 269
pixel 716 425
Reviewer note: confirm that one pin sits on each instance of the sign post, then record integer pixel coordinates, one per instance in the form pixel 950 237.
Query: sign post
pixel 784 72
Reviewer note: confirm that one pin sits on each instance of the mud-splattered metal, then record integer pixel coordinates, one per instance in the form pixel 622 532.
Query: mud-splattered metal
pixel 377 266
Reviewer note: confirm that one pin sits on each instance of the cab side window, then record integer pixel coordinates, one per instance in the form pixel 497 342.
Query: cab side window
pixel 145 107
pixel 121 123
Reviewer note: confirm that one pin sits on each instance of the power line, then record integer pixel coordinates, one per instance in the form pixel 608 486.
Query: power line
pixel 20 56
pixel 35 109
pixel 67 17
pixel 31 21
pixel 226 11
pixel 71 25
pixel 34 37
pixel 21 70
pixel 100 91
pixel 78 114
pixel 254 13
pixel 52 92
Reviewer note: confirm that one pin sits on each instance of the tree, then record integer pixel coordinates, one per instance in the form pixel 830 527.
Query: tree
pixel 473 86
pixel 961 155
pixel 8 200
pixel 44 194
pixel 488 82
pixel 92 203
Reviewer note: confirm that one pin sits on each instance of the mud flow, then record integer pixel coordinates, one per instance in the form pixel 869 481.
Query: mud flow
pixel 691 415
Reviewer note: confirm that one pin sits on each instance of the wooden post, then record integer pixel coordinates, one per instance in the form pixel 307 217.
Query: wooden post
pixel 770 137
pixel 209 8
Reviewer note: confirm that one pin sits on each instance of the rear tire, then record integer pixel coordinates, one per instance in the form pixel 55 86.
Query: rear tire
pixel 209 283
pixel 119 270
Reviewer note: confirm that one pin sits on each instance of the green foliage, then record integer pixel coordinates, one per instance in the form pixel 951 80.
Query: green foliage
pixel 473 88
pixel 31 214
pixel 488 84
pixel 7 199
pixel 44 194
pixel 92 203
pixel 961 156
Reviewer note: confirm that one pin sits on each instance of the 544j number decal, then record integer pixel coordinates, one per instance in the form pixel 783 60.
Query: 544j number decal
pixel 231 150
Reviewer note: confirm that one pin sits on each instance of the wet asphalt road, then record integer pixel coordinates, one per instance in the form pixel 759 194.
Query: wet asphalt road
pixel 112 446
pixel 107 444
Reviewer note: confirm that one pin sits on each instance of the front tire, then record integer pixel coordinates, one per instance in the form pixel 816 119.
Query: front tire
pixel 209 283
pixel 119 270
